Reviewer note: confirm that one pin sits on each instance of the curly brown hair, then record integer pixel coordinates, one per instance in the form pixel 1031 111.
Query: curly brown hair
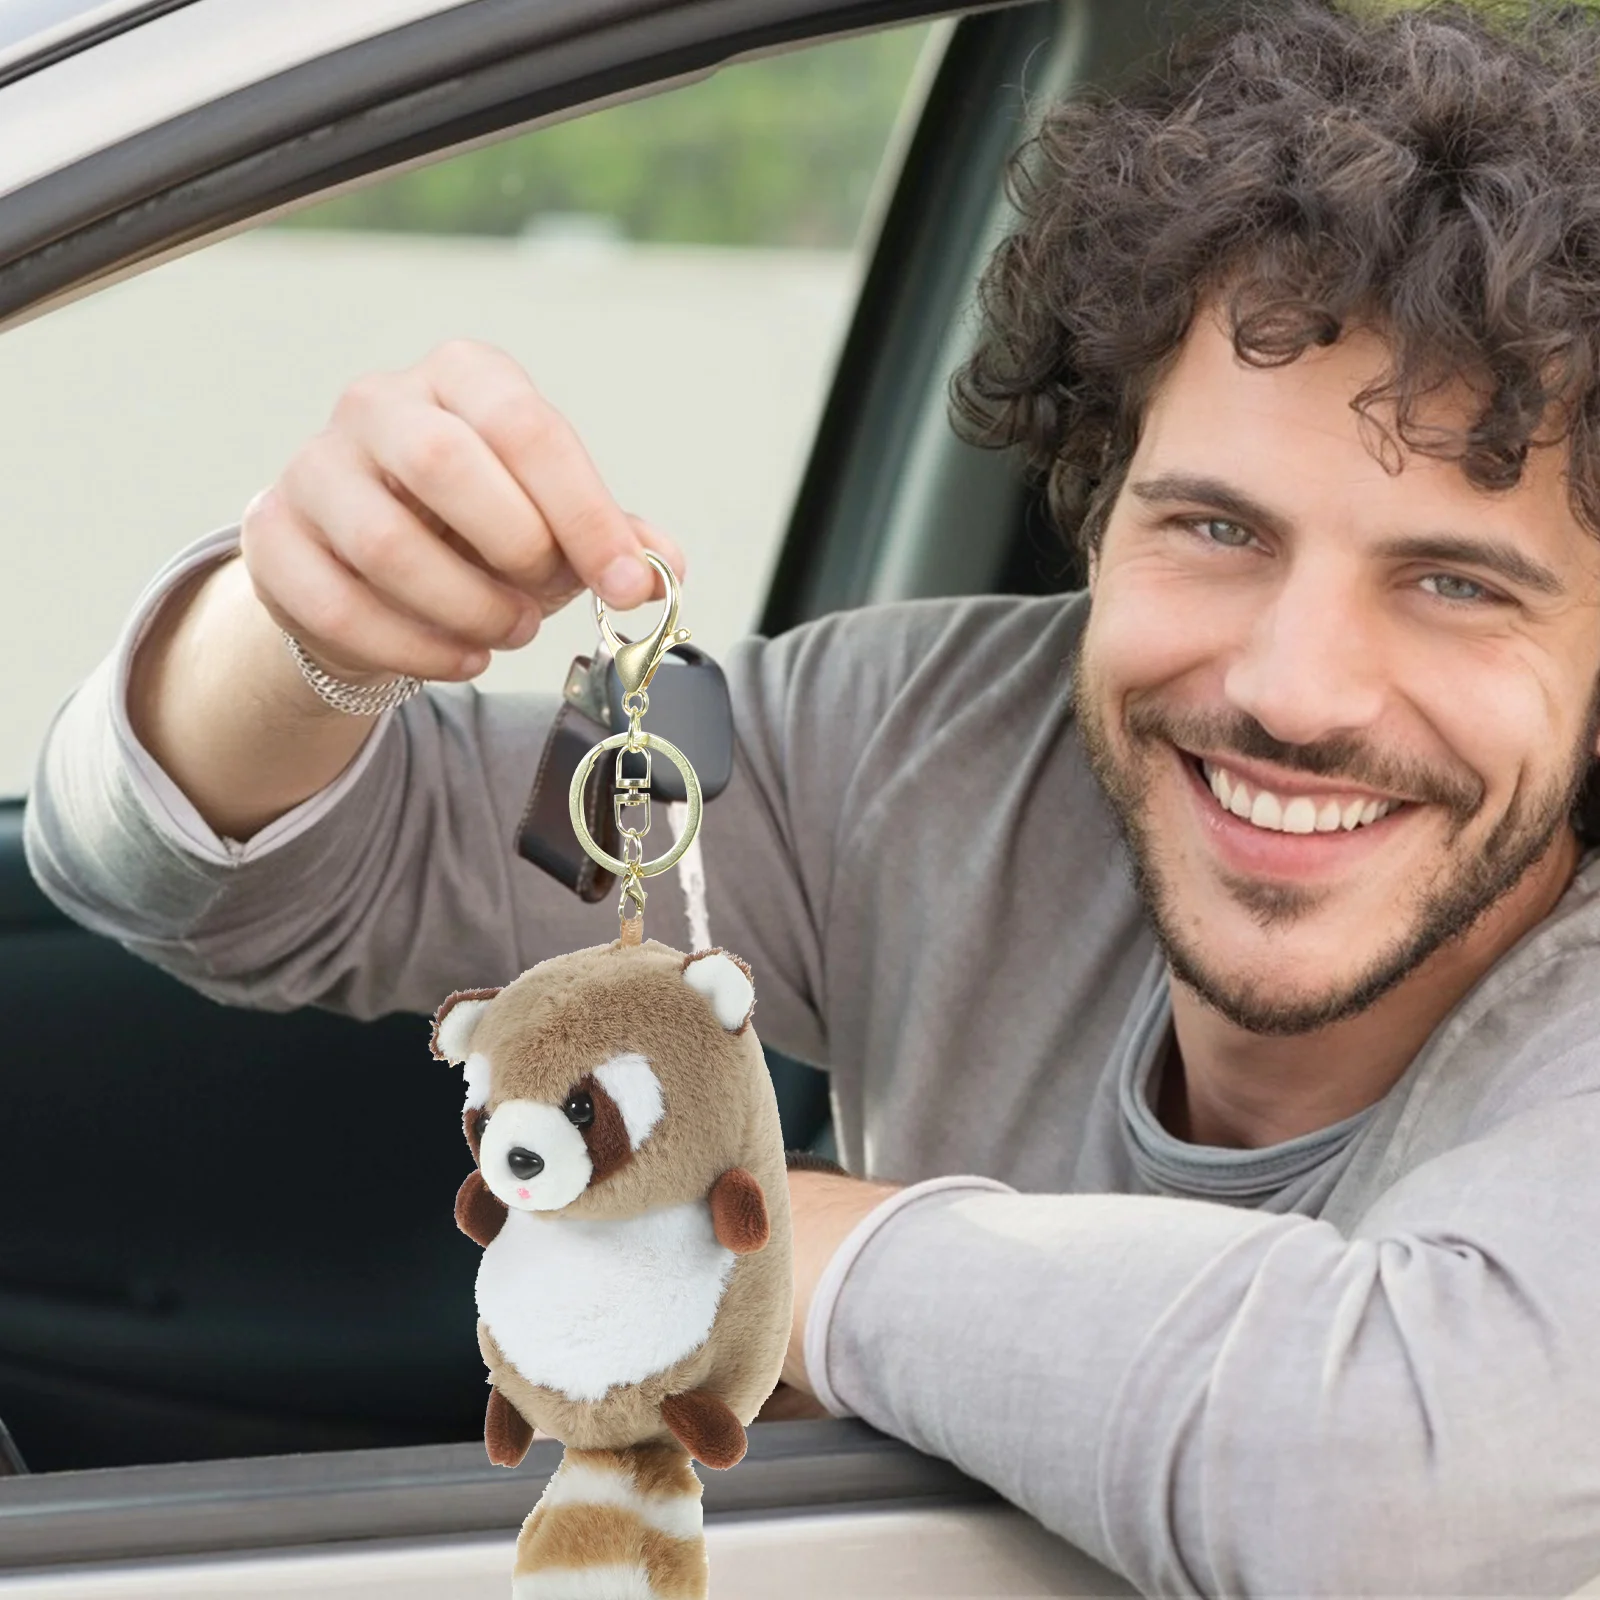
pixel 1433 174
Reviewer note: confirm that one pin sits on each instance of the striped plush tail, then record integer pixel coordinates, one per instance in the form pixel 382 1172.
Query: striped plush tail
pixel 615 1525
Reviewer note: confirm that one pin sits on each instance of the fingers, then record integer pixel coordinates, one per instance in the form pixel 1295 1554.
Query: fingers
pixel 337 617
pixel 433 460
pixel 380 538
pixel 443 513
pixel 664 546
pixel 543 454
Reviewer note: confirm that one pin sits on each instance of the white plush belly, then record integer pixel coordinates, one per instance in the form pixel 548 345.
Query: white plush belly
pixel 580 1306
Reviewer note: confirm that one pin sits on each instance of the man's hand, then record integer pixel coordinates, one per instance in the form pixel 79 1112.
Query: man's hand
pixel 823 1207
pixel 443 513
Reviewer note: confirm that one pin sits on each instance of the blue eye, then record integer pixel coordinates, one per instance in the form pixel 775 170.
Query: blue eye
pixel 1451 586
pixel 1217 530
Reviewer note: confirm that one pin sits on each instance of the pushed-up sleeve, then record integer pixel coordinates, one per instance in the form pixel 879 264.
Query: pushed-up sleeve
pixel 400 881
pixel 1216 1401
pixel 395 884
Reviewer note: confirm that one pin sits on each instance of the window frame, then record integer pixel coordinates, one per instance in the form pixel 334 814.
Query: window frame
pixel 892 505
pixel 439 85
pixel 425 1491
pixel 88 26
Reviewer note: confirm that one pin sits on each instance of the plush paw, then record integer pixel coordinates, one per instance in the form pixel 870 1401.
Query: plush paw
pixel 705 1426
pixel 739 1212
pixel 479 1214
pixel 506 1432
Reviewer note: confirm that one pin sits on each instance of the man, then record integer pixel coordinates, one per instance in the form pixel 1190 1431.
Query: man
pixel 1228 1195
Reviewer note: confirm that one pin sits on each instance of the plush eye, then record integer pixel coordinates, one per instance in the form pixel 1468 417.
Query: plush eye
pixel 579 1109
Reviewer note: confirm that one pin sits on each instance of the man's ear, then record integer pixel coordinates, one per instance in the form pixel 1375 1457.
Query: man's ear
pixel 454 1021
pixel 725 982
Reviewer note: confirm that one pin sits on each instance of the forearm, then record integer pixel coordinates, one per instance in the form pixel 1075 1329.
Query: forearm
pixel 381 891
pixel 1000 1332
pixel 1212 1400
pixel 217 700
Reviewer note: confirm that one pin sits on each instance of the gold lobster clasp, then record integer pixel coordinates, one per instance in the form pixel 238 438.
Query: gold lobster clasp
pixel 638 659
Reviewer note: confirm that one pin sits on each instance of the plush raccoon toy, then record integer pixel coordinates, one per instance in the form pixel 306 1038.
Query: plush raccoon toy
pixel 635 1293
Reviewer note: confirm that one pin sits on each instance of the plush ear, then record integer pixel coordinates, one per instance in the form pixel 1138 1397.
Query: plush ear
pixel 725 982
pixel 454 1021
pixel 476 1078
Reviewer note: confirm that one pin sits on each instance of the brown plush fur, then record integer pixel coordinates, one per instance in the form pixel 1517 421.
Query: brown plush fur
pixel 568 1535
pixel 480 1214
pixel 506 1434
pixel 589 1536
pixel 705 1427
pixel 739 1213
pixel 543 1035
pixel 738 961
pixel 607 1136
pixel 652 1469
pixel 450 1002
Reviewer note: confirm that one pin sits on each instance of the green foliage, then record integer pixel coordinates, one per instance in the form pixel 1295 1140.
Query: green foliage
pixel 776 152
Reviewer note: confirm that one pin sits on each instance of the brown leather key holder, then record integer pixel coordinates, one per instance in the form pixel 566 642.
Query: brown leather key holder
pixel 688 705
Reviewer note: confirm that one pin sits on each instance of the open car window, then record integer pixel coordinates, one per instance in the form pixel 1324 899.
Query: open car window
pixel 676 274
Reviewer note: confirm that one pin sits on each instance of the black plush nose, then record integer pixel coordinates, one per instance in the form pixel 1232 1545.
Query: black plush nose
pixel 524 1163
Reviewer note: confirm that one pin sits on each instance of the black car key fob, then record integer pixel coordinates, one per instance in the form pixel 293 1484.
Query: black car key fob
pixel 689 707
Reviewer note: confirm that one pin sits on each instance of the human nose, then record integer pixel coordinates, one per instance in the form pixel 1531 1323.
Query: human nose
pixel 1310 667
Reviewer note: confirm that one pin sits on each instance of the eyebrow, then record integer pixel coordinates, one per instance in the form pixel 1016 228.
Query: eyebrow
pixel 1491 555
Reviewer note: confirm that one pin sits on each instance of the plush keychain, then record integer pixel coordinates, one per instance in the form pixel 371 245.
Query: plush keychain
pixel 635 1293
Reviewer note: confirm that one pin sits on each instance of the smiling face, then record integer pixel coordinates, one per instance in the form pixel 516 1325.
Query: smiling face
pixel 1340 712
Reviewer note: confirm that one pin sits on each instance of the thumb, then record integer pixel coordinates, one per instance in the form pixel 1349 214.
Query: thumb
pixel 652 538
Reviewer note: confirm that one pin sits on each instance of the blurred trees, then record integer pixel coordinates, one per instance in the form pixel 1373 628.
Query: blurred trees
pixel 774 152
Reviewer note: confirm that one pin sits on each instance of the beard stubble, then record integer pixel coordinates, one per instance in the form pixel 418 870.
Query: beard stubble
pixel 1465 886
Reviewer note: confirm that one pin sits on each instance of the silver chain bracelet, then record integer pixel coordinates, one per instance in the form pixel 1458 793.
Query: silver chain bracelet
pixel 355 699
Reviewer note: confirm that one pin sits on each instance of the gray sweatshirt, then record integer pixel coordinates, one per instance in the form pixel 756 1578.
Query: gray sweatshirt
pixel 1357 1362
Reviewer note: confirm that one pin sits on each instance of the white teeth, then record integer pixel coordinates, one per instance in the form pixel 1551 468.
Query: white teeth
pixel 1267 812
pixel 1298 815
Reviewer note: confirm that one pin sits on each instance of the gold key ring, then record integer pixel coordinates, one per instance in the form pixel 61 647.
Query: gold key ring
pixel 637 660
pixel 691 826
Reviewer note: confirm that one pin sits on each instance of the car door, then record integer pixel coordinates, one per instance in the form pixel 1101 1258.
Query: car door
pixel 187 1318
